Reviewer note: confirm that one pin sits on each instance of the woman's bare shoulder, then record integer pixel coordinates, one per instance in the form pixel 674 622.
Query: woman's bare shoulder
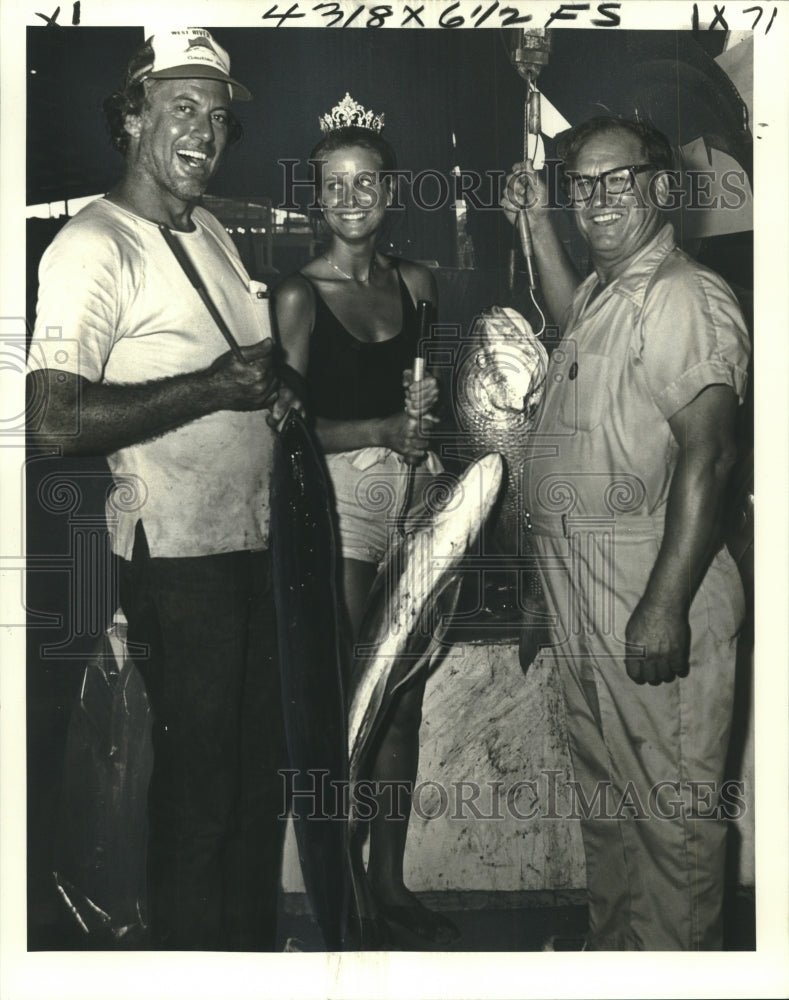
pixel 419 279
pixel 295 289
pixel 294 301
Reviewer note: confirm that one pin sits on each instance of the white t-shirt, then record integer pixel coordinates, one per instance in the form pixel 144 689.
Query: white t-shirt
pixel 115 306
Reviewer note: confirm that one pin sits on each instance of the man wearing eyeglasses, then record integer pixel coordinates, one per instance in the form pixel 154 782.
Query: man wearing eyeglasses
pixel 623 491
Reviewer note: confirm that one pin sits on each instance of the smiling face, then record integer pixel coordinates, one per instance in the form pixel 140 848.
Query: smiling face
pixel 616 226
pixel 177 142
pixel 353 196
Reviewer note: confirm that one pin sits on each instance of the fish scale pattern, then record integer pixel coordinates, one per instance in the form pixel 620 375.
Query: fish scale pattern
pixel 498 387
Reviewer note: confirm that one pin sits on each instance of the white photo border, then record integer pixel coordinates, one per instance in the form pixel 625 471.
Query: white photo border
pixel 764 972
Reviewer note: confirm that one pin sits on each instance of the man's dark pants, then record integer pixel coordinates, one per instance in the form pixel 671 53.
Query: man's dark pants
pixel 211 671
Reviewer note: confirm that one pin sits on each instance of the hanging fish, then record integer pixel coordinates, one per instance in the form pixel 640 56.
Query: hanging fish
pixel 305 560
pixel 413 596
pixel 498 387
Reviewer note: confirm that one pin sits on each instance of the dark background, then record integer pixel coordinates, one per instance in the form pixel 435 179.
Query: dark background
pixel 429 84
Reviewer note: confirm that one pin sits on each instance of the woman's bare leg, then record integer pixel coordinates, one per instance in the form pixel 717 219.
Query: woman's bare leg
pixel 394 770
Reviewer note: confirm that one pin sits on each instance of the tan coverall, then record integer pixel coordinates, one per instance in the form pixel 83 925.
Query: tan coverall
pixel 596 487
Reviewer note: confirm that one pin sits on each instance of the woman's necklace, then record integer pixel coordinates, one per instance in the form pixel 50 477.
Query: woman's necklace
pixel 345 274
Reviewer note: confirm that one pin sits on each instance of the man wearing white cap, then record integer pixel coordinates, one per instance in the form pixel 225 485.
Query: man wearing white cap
pixel 141 373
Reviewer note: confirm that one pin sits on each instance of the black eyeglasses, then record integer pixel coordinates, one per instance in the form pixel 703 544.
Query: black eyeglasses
pixel 616 181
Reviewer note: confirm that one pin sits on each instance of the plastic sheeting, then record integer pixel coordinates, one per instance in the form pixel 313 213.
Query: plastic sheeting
pixel 100 866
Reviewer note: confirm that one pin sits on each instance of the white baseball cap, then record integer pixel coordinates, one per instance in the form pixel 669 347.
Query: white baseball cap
pixel 185 54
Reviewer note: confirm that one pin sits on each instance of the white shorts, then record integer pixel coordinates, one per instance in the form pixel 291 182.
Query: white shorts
pixel 369 486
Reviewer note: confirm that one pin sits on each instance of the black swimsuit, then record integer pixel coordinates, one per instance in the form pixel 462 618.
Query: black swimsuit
pixel 350 379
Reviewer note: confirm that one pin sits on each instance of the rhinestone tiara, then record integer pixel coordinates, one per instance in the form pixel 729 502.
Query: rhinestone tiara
pixel 349 112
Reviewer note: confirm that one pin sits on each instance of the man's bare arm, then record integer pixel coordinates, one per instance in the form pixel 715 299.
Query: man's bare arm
pixel 704 430
pixel 558 277
pixel 79 417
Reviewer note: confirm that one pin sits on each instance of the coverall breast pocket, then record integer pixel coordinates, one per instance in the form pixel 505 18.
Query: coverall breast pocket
pixel 586 392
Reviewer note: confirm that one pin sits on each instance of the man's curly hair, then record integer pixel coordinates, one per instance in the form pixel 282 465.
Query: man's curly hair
pixel 131 99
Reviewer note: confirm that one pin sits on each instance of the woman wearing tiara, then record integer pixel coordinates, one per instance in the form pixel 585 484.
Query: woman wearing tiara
pixel 348 323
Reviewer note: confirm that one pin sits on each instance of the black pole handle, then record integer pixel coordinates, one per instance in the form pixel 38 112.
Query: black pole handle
pixel 191 273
